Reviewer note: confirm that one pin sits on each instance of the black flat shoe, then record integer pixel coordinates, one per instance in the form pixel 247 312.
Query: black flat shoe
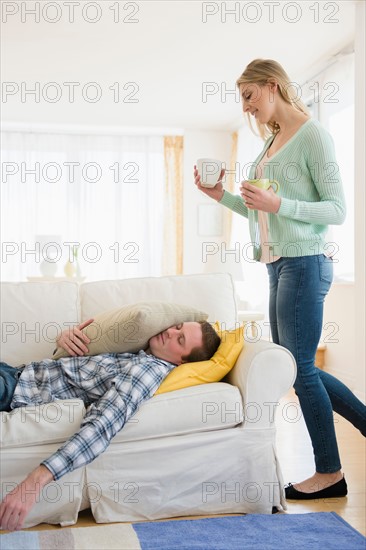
pixel 339 489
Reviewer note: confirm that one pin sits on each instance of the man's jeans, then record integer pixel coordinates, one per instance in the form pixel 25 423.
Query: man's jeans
pixel 298 287
pixel 9 377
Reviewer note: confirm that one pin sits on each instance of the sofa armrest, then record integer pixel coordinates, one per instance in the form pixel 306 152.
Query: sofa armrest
pixel 264 372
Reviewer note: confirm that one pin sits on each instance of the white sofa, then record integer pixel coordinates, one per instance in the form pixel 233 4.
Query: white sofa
pixel 208 449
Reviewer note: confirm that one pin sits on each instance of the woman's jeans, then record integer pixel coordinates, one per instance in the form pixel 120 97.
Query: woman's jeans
pixel 9 377
pixel 298 287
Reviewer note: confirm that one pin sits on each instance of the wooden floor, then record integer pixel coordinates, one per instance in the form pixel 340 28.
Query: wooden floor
pixel 296 458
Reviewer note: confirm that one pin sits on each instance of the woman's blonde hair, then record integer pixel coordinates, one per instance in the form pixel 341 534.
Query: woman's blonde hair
pixel 265 71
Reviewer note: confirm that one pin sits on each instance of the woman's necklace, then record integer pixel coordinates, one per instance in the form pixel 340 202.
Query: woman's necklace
pixel 270 147
pixel 280 143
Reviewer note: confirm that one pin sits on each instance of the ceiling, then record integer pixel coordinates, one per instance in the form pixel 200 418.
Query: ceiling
pixel 165 59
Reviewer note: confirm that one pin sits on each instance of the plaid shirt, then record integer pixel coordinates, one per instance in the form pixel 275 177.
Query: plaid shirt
pixel 112 386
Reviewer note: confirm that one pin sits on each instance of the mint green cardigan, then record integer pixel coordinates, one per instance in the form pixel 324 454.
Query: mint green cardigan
pixel 311 194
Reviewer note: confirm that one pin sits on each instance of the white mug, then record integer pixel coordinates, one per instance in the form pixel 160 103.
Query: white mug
pixel 209 170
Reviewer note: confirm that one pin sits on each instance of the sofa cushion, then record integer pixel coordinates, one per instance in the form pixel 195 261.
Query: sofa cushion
pixel 191 410
pixel 129 329
pixel 41 424
pixel 196 409
pixel 211 292
pixel 32 316
pixel 203 372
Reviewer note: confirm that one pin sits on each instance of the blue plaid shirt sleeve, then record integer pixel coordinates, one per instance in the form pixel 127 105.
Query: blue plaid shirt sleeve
pixel 108 415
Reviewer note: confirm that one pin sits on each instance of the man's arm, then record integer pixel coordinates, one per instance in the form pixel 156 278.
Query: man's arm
pixel 104 418
pixel 18 503
pixel 102 421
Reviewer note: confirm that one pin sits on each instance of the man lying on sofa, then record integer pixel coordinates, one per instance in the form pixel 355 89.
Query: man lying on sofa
pixel 112 386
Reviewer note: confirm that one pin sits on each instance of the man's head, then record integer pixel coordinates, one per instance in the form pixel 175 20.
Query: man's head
pixel 187 342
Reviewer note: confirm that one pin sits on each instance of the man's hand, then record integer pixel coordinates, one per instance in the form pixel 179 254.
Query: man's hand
pixel 18 503
pixel 73 340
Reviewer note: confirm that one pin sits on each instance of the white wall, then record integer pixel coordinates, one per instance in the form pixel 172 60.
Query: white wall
pixel 360 196
pixel 345 305
pixel 339 333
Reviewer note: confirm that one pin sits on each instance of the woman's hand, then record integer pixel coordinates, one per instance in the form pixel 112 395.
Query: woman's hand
pixel 216 192
pixel 259 199
pixel 73 340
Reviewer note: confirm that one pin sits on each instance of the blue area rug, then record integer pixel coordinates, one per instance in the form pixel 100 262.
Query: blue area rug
pixel 314 531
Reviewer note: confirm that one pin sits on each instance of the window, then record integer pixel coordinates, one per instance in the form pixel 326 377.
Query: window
pixel 341 126
pixel 334 107
pixel 104 192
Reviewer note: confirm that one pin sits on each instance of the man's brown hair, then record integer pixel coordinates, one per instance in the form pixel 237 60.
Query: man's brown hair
pixel 210 342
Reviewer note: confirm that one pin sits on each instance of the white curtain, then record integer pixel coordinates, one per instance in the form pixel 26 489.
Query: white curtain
pixel 253 290
pixel 104 192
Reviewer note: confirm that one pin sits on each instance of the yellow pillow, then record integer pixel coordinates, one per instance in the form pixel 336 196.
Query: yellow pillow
pixel 203 372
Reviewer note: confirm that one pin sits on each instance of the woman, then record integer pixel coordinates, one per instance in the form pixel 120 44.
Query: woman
pixel 288 230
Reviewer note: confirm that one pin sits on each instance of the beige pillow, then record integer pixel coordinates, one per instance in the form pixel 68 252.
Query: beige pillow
pixel 129 329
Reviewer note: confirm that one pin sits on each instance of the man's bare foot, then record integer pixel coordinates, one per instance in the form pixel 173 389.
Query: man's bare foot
pixel 317 482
